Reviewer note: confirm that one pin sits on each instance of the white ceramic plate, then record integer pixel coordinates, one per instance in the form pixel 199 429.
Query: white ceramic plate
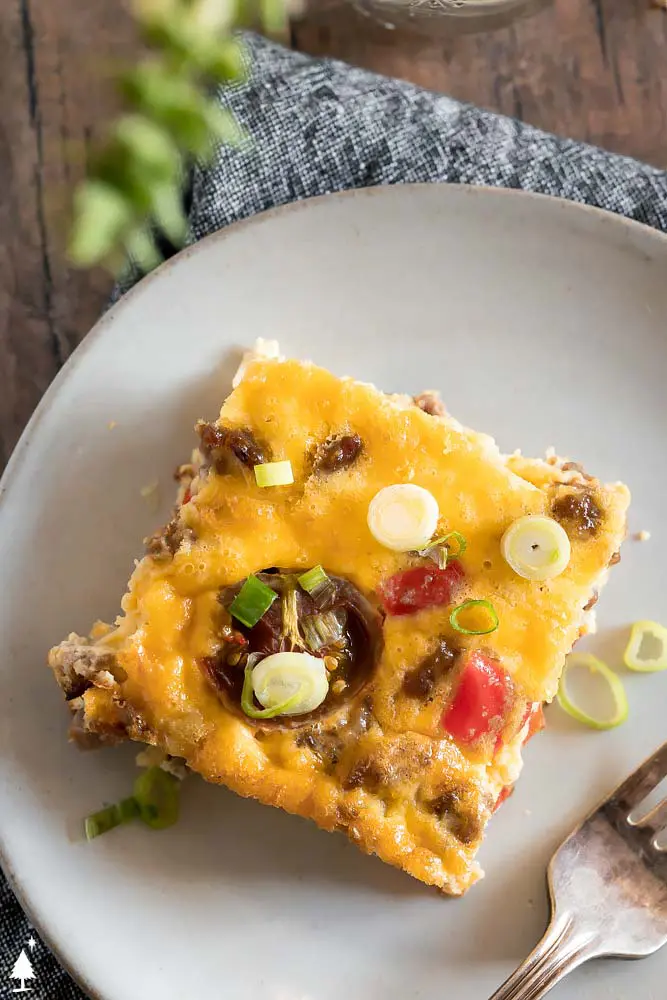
pixel 543 323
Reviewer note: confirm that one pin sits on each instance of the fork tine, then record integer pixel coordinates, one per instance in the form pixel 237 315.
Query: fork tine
pixel 636 787
pixel 655 819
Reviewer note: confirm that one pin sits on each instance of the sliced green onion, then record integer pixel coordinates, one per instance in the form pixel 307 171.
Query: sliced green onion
pixel 403 517
pixel 313 579
pixel 282 674
pixel 446 542
pixel 646 651
pixel 113 816
pixel 316 583
pixel 536 547
pixel 290 613
pixel 247 695
pixel 252 601
pixel 274 474
pixel 466 606
pixel 589 662
pixel 157 796
pixel 322 630
pixel 440 550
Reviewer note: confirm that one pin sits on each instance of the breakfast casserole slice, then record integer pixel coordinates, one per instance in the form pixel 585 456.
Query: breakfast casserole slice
pixel 355 614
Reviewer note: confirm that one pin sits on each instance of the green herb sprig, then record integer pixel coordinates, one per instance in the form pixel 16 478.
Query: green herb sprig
pixel 133 188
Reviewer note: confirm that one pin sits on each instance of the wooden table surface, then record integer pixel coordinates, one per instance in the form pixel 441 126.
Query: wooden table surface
pixel 590 69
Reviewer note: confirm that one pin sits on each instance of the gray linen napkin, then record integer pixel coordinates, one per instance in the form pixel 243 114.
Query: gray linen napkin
pixel 317 126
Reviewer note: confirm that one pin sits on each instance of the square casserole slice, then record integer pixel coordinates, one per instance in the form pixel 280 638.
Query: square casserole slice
pixel 376 760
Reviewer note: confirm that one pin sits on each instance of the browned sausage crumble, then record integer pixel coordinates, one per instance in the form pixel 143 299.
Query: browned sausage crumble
pixel 420 682
pixel 430 402
pixel 580 511
pixel 337 453
pixel 218 444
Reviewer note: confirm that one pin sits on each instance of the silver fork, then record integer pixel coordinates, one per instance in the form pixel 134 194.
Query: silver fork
pixel 608 888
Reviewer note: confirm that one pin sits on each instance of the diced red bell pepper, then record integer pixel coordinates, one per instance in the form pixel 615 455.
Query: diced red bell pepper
pixel 481 700
pixel 504 794
pixel 187 496
pixel 420 587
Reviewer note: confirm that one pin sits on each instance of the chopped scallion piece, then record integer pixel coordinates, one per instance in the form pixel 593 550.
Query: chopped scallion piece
pixel 468 606
pixel 263 713
pixel 403 516
pixel 647 649
pixel 454 542
pixel 445 548
pixel 322 630
pixel 313 579
pixel 579 661
pixel 157 796
pixel 252 601
pixel 274 474
pixel 113 816
pixel 316 583
pixel 290 613
pixel 536 547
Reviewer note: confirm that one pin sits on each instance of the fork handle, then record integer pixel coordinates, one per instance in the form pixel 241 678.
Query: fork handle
pixel 561 949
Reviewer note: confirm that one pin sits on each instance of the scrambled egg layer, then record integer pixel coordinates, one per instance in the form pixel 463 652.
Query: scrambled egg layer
pixel 237 529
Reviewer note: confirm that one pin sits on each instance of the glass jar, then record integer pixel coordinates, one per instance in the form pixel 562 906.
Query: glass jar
pixel 427 16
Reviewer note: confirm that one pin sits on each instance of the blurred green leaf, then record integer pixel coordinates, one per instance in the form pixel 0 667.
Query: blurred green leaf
pixel 273 15
pixel 140 245
pixel 134 178
pixel 168 212
pixel 101 214
pixel 226 62
pixel 223 126
pixel 149 148
pixel 175 103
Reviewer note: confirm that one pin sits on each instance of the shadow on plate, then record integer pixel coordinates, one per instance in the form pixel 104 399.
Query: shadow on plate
pixel 223 837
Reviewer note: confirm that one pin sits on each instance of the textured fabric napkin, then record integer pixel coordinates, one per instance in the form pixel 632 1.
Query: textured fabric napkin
pixel 317 126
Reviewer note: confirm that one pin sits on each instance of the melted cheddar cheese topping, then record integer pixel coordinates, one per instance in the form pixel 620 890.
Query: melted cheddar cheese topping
pixel 383 769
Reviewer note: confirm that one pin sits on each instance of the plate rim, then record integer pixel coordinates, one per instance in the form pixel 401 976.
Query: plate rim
pixel 605 217
pixel 565 205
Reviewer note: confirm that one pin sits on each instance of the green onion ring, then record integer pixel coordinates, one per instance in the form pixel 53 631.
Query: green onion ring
pixel 590 662
pixel 247 695
pixel 487 605
pixel 460 540
pixel 631 656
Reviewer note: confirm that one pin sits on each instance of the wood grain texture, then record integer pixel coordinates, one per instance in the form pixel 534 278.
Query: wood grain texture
pixel 54 99
pixel 591 69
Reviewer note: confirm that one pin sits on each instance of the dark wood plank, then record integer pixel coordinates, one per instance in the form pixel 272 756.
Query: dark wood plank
pixel 589 69
pixel 55 98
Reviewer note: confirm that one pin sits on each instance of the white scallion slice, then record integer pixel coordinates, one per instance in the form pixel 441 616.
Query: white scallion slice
pixel 322 630
pixel 274 473
pixel 403 517
pixel 647 649
pixel 586 661
pixel 536 547
pixel 297 681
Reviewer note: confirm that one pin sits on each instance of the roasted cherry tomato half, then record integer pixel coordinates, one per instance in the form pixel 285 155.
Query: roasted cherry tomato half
pixel 421 587
pixel 481 700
